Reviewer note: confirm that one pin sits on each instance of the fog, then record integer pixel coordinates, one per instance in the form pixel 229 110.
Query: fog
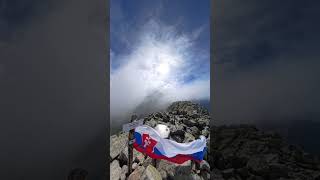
pixel 157 69
pixel 52 78
pixel 265 62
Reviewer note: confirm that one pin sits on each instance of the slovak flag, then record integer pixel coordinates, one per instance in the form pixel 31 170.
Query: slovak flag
pixel 147 140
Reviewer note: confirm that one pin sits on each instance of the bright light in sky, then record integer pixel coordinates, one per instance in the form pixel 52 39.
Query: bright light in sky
pixel 155 65
pixel 162 57
pixel 163 69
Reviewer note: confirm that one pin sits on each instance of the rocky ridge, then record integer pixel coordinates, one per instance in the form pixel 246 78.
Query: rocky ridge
pixel 237 152
pixel 243 152
pixel 187 121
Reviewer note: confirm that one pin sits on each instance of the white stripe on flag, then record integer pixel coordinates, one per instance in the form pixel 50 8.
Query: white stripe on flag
pixel 171 148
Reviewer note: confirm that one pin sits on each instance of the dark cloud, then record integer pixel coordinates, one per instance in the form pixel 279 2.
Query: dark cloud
pixel 53 88
pixel 266 62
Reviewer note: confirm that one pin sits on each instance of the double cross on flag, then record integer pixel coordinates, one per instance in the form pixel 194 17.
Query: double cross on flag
pixel 149 141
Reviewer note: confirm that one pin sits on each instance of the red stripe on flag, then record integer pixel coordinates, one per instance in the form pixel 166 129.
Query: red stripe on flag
pixel 179 159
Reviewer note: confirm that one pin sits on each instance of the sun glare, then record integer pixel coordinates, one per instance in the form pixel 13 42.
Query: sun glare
pixel 163 69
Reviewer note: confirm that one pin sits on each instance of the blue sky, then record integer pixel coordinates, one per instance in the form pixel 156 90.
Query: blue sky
pixel 129 17
pixel 159 46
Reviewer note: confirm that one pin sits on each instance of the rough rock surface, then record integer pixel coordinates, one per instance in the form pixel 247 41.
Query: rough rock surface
pixel 236 152
pixel 116 170
pixel 243 152
pixel 187 121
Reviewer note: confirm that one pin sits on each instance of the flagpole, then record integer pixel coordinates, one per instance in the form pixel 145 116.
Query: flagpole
pixel 154 162
pixel 130 145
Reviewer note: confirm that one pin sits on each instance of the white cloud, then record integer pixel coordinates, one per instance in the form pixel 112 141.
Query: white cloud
pixel 159 61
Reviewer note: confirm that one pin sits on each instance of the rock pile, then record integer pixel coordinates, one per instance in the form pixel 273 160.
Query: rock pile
pixel 187 121
pixel 243 152
pixel 235 153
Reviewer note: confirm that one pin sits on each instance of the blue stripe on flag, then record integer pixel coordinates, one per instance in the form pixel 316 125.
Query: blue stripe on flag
pixel 138 138
pixel 199 155
pixel 157 152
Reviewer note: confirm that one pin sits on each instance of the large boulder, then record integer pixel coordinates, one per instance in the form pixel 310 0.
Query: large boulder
pixel 137 173
pixel 175 170
pixel 115 170
pixel 151 173
pixel 124 171
pixel 118 144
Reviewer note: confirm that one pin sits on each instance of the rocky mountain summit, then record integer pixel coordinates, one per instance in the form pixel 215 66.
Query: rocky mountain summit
pixel 243 152
pixel 187 121
pixel 237 152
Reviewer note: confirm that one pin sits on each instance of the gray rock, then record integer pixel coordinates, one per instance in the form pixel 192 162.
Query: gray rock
pixel 253 177
pixel 166 118
pixel 151 123
pixel 216 174
pixel 147 162
pixel 138 156
pixel 184 168
pixel 137 173
pixel 177 138
pixel 195 177
pixel 178 132
pixel 203 122
pixel 123 156
pixel 186 121
pixel 258 165
pixel 271 158
pixel 117 144
pixel 193 130
pixel 164 174
pixel 237 162
pixel 205 175
pixel 256 155
pixel 205 131
pixel 277 170
pixel 151 173
pixel 189 122
pixel 188 137
pixel 123 177
pixel 134 165
pixel 179 127
pixel 243 172
pixel 124 169
pixel 204 165
pixel 228 173
pixel 173 170
pixel 115 170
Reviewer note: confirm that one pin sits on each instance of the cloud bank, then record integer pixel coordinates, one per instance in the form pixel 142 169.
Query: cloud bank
pixel 52 76
pixel 162 62
pixel 265 62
